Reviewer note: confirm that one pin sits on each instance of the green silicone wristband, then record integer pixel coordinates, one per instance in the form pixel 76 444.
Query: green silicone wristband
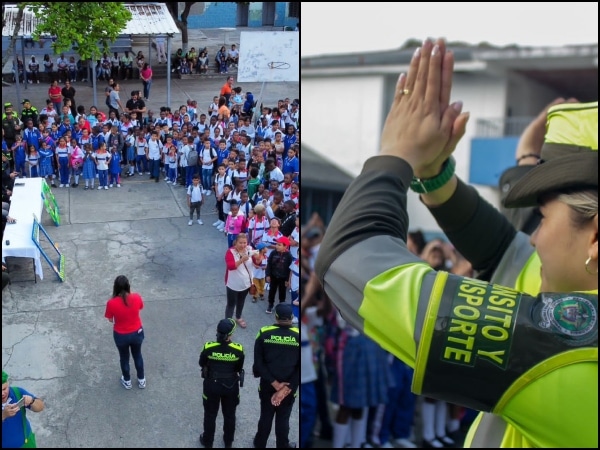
pixel 425 186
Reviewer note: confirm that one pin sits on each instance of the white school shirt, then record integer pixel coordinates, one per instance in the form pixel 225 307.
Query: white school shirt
pixel 63 152
pixel 287 191
pixel 221 181
pixel 102 159
pixel 245 206
pixel 206 158
pixel 258 227
pixel 33 160
pixel 295 278
pixel 195 193
pixel 154 148
pixel 215 108
pixel 184 152
pixel 202 127
pixel 259 272
pixel 247 149
pixel 276 174
pixel 270 240
pixel 172 160
pixel 295 235
pixel 141 147
pixel 226 207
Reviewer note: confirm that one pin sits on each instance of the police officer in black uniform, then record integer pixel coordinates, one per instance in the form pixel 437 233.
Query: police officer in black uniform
pixel 29 112
pixel 277 363
pixel 222 365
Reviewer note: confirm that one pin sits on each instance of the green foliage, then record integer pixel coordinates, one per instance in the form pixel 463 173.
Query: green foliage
pixel 88 28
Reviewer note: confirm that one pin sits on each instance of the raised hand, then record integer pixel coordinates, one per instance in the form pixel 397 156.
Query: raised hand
pixel 422 127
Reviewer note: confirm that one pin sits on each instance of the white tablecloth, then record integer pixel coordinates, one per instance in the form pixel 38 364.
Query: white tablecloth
pixel 25 202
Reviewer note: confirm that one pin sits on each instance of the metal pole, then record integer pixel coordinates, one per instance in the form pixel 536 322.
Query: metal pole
pixel 24 71
pixel 94 81
pixel 258 101
pixel 17 86
pixel 169 70
pixel 149 49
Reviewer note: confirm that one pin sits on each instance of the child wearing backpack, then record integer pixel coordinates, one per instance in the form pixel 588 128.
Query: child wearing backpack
pixel 192 161
pixel 195 199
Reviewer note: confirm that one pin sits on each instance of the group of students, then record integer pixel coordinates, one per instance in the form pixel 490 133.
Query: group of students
pixel 198 61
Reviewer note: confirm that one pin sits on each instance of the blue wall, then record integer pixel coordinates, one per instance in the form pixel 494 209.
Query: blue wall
pixel 490 157
pixel 223 14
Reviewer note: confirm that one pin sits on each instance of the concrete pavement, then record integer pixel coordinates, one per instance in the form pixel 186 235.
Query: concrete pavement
pixel 56 342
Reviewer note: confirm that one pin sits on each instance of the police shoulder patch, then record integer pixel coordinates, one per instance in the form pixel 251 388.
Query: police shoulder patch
pixel 573 316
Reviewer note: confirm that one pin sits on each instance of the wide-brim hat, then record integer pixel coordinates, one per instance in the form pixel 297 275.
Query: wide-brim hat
pixel 569 156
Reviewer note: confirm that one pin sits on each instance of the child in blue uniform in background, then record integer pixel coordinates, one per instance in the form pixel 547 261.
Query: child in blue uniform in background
pixel 114 167
pixel 89 166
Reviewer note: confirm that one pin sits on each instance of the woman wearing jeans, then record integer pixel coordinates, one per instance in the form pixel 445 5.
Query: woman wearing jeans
pixel 146 76
pixel 123 310
pixel 238 279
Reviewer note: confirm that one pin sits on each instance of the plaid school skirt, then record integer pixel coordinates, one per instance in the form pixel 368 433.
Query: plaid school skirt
pixel 362 373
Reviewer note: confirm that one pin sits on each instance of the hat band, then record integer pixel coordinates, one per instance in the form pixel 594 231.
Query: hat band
pixel 551 150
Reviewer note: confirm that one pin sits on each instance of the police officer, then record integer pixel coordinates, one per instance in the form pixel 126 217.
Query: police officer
pixel 222 365
pixel 29 112
pixel 277 363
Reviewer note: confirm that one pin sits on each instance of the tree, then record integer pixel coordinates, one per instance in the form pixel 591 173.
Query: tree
pixel 87 28
pixel 181 22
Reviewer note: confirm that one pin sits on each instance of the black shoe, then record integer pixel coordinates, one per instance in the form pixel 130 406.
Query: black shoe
pixel 151 178
pixel 203 443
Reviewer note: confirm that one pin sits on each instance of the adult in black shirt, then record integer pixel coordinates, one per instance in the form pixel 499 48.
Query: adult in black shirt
pixel 289 221
pixel 68 92
pixel 137 105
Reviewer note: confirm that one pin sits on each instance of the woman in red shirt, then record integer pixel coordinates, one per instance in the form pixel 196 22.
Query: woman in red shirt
pixel 55 94
pixel 146 76
pixel 123 309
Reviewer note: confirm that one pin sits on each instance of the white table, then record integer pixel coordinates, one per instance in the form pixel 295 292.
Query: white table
pixel 25 202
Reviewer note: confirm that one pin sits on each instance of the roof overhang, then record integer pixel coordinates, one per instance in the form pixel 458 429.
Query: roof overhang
pixel 148 19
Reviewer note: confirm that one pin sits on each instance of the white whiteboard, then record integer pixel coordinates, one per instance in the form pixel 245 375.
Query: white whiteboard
pixel 269 56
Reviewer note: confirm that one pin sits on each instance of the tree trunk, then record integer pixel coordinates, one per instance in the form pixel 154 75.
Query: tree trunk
pixel 181 22
pixel 13 38
pixel 184 26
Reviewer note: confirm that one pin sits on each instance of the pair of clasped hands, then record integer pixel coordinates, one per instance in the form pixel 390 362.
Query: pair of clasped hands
pixel 282 391
pixel 422 126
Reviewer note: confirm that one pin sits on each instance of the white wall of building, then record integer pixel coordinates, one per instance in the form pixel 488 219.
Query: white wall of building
pixel 343 119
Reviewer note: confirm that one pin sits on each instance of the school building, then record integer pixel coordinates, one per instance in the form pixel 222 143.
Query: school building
pixel 244 14
pixel 346 97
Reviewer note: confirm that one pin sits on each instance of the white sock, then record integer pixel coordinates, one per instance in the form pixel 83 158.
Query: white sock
pixel 428 413
pixel 441 409
pixel 359 430
pixel 340 431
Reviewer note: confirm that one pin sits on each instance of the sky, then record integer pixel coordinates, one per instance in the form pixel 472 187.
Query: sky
pixel 362 27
